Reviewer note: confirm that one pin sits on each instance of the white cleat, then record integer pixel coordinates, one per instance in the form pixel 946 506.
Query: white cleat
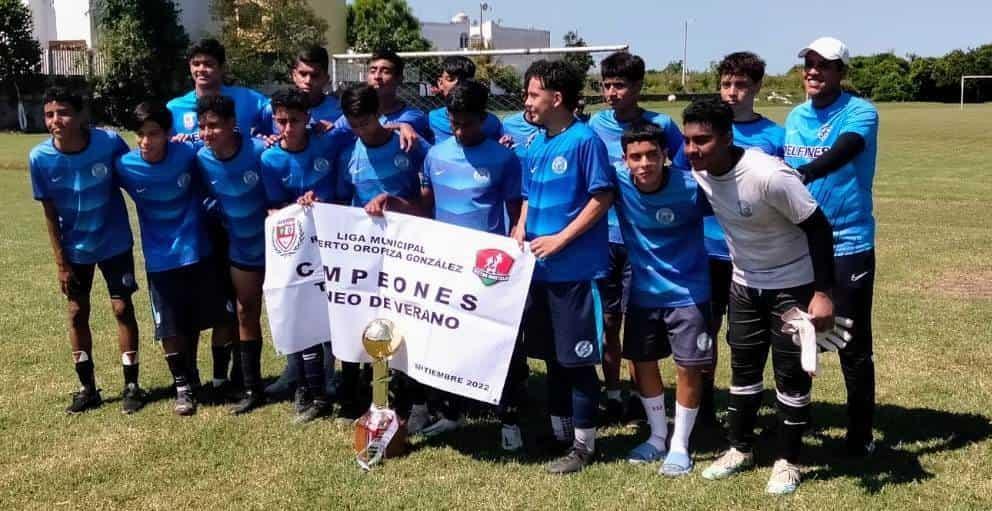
pixel 784 480
pixel 442 425
pixel 732 462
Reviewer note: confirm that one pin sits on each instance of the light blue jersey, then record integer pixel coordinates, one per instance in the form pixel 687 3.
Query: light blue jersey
pixel 237 185
pixel 248 107
pixel 288 175
pixel 441 125
pixel 522 133
pixel 562 174
pixel 165 194
pixel 92 218
pixel 472 184
pixel 762 134
pixel 364 172
pixel 845 194
pixel 406 115
pixel 609 130
pixel 329 110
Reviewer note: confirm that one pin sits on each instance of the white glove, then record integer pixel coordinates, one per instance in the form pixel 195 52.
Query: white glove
pixel 798 324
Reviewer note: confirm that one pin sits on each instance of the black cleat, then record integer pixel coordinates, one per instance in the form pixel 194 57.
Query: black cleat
pixel 132 398
pixel 251 400
pixel 549 444
pixel 185 403
pixel 350 411
pixel 613 412
pixel 316 409
pixel 635 411
pixel 301 400
pixel 574 461
pixel 84 399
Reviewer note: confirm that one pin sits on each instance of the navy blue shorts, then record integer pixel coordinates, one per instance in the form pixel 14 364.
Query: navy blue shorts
pixel 118 273
pixel 189 299
pixel 563 322
pixel 655 333
pixel 615 286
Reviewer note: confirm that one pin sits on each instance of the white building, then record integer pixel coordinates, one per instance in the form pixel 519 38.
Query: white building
pixel 460 33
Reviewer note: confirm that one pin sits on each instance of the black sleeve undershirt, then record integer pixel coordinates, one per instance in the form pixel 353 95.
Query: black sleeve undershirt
pixel 845 149
pixel 820 236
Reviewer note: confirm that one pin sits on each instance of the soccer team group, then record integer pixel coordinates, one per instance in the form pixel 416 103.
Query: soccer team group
pixel 634 222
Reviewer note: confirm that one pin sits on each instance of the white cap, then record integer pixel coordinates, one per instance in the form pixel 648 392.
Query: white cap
pixel 828 48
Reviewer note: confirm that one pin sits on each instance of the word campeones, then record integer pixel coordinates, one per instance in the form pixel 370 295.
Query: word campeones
pixel 379 245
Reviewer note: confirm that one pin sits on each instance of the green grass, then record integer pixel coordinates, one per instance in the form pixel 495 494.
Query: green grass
pixel 933 352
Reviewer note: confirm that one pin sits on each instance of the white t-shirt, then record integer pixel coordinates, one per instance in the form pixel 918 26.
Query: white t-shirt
pixel 758 203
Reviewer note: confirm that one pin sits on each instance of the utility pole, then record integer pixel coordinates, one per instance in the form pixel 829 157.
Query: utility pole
pixel 685 52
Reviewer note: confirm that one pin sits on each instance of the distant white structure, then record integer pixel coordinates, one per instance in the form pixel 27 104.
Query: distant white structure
pixel 461 33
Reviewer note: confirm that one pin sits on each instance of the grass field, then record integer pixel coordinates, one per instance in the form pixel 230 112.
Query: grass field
pixel 933 327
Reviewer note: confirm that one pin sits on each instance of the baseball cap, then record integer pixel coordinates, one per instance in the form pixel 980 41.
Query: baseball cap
pixel 828 48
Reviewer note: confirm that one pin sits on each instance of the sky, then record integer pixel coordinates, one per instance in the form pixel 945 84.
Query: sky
pixel 774 29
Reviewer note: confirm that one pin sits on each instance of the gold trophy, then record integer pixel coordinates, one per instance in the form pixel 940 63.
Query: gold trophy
pixel 379 433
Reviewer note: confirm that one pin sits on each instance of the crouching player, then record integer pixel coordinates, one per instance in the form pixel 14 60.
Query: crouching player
pixel 230 169
pixel 301 163
pixel 781 248
pixel 660 212
pixel 186 296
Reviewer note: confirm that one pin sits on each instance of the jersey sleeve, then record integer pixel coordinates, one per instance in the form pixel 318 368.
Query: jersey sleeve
pixel 265 126
pixel 777 136
pixel 275 194
pixel 261 102
pixel 863 120
pixel 344 190
pixel 512 182
pixel 39 185
pixel 786 193
pixel 425 175
pixel 596 166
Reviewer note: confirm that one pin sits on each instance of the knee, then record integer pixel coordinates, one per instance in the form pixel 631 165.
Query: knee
pixel 123 310
pixel 793 406
pixel 247 311
pixel 78 313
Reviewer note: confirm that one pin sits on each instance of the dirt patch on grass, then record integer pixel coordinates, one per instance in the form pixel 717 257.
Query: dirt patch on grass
pixel 959 284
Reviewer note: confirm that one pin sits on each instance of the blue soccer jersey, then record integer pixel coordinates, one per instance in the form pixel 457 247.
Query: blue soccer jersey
pixel 248 108
pixel 562 174
pixel 762 134
pixel 92 218
pixel 329 110
pixel 288 175
pixel 237 185
pixel 472 184
pixel 441 125
pixel 519 129
pixel 609 130
pixel 845 194
pixel 364 172
pixel 406 115
pixel 663 232
pixel 169 213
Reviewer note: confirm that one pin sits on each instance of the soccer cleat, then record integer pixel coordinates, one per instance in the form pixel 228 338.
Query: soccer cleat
pixel 314 410
pixel 442 425
pixel 676 464
pixel 732 462
pixel 645 453
pixel 784 479
pixel 419 419
pixel 132 398
pixel 613 412
pixel 185 403
pixel 301 400
pixel 553 446
pixel 84 399
pixel 251 400
pixel 510 438
pixel 350 411
pixel 574 461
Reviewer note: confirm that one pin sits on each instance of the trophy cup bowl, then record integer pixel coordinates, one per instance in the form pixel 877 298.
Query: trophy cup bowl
pixel 379 433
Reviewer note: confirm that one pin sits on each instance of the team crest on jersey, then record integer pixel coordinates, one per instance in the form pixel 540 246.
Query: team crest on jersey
pixel 665 216
pixel 823 132
pixel 744 207
pixel 401 161
pixel 321 165
pixel 183 180
pixel 559 165
pixel 481 175
pixel 99 170
pixel 287 236
pixel 250 178
pixel 189 120
pixel 583 349
pixel 492 266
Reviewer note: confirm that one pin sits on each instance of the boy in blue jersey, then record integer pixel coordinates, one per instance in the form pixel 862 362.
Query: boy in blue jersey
pixel 309 75
pixel 71 175
pixel 185 292
pixel 453 70
pixel 832 141
pixel 229 167
pixel 301 163
pixel 471 180
pixel 661 215
pixel 567 191
pixel 622 78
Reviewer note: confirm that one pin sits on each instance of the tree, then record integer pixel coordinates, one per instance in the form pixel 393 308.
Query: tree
pixel 582 61
pixel 143 45
pixel 262 37
pixel 384 24
pixel 20 54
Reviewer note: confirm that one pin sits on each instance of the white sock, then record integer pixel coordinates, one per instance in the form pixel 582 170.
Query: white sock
pixel 562 428
pixel 685 418
pixel 613 395
pixel 586 438
pixel 654 408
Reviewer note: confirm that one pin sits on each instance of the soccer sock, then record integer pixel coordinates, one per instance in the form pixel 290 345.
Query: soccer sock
pixel 192 371
pixel 313 370
pixel 585 395
pixel 586 438
pixel 654 408
pixel 129 362
pixel 706 401
pixel 563 429
pixel 742 413
pixel 793 415
pixel 237 375
pixel 178 367
pixel 84 369
pixel 222 362
pixel 251 363
pixel 685 418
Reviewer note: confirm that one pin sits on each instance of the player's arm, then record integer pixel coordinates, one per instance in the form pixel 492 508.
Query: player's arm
pixel 598 205
pixel 847 147
pixel 427 200
pixel 519 231
pixel 55 238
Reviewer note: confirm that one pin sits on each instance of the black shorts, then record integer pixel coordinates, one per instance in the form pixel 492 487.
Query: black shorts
pixel 563 322
pixel 219 245
pixel 614 288
pixel 118 273
pixel 189 299
pixel 655 333
pixel 721 271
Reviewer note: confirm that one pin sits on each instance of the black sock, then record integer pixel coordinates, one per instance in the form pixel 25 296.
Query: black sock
pixel 192 368
pixel 792 425
pixel 350 375
pixel 237 376
pixel 222 360
pixel 251 363
pixel 84 370
pixel 178 366
pixel 742 414
pixel 706 402
pixel 313 370
pixel 130 374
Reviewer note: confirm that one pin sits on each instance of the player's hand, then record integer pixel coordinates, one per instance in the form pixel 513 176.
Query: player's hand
pixel 821 311
pixel 408 137
pixel 377 206
pixel 323 126
pixel 182 138
pixel 506 141
pixel 547 246
pixel 66 278
pixel 270 140
pixel 518 233
pixel 307 199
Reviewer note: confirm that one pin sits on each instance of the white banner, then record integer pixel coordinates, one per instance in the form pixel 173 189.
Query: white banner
pixel 455 294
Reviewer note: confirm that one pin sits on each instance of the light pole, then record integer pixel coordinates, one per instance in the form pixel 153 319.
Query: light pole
pixel 483 6
pixel 685 51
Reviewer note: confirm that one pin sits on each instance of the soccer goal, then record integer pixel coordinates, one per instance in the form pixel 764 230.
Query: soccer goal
pixel 971 77
pixel 502 69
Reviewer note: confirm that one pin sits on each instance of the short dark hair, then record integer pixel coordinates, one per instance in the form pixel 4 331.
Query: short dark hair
pixel 154 111
pixel 359 100
pixel 313 56
pixel 622 65
pixel 223 106
pixel 712 112
pixel 63 95
pixel 468 97
pixel 643 131
pixel 388 55
pixel 559 76
pixel 742 63
pixel 458 67
pixel 290 99
pixel 209 47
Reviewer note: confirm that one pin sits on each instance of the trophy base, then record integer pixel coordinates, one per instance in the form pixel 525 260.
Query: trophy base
pixel 363 430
